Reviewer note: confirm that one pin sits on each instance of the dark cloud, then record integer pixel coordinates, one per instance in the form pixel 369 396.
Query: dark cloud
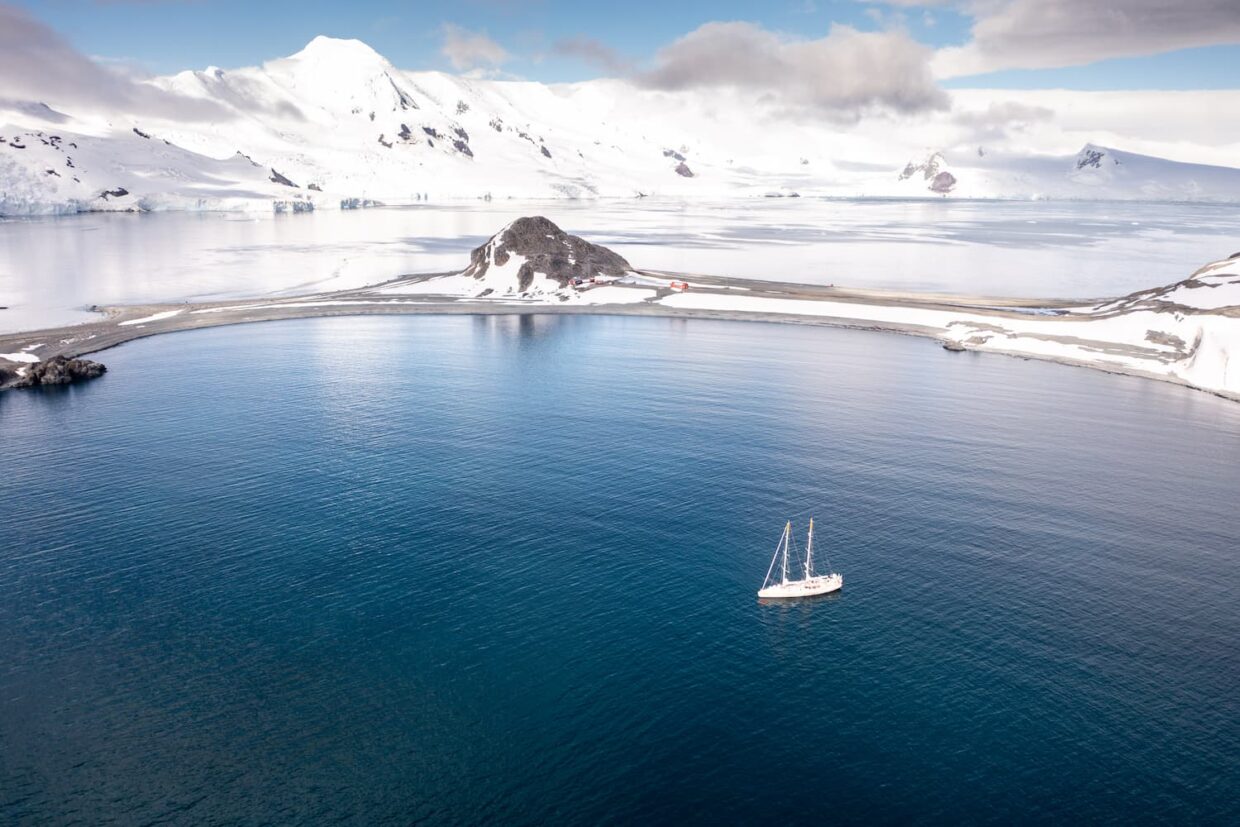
pixel 36 64
pixel 1036 34
pixel 842 74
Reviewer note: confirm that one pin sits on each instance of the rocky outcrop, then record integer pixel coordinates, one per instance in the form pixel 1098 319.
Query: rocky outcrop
pixel 932 171
pixel 1089 157
pixel 943 183
pixel 546 249
pixel 58 370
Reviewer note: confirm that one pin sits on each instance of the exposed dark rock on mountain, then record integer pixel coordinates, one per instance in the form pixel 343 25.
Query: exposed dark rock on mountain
pixel 405 101
pixel 548 250
pixel 119 192
pixel 1089 158
pixel 461 142
pixel 682 169
pixel 943 183
pixel 928 168
pixel 57 370
pixel 277 178
pixel 546 152
pixel 671 153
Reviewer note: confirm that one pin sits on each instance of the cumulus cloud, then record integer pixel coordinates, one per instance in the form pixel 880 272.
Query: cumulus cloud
pixel 467 50
pixel 36 64
pixel 1036 34
pixel 842 74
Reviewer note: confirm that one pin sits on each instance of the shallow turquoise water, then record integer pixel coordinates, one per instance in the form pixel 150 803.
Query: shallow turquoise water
pixel 503 570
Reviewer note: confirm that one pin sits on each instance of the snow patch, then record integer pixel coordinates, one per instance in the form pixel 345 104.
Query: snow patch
pixel 167 314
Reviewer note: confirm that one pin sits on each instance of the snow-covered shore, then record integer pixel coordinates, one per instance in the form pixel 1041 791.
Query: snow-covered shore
pixel 1184 333
pixel 1164 333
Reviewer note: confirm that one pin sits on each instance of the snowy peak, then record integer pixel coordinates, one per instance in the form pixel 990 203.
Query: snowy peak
pixel 342 76
pixel 1095 165
pixel 532 254
pixel 352 57
pixel 1092 157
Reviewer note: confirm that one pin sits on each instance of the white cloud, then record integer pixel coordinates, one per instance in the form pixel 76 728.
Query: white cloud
pixel 467 50
pixel 1000 118
pixel 842 74
pixel 36 64
pixel 1036 34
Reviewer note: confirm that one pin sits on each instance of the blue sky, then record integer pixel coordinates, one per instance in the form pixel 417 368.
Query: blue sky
pixel 166 36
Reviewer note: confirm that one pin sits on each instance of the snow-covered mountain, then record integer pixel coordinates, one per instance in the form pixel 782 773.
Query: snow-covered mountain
pixel 1094 173
pixel 338 125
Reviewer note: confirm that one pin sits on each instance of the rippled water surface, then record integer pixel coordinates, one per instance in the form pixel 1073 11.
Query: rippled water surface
pixel 502 570
pixel 52 268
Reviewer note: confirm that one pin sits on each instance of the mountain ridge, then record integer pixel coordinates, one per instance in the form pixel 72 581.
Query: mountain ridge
pixel 337 124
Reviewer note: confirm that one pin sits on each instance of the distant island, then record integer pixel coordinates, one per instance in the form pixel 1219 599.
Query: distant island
pixel 1184 333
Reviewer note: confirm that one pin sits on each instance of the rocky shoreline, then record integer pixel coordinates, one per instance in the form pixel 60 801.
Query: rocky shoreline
pixel 55 370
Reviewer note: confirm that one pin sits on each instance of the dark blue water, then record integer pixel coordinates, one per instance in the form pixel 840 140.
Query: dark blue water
pixel 503 570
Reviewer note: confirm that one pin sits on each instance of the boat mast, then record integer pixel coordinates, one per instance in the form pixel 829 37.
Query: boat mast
pixel 787 537
pixel 809 551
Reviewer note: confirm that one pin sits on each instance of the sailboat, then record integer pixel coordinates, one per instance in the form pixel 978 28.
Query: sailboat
pixel 809 585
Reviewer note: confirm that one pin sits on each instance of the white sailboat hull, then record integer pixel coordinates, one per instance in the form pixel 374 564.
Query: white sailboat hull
pixel 809 587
